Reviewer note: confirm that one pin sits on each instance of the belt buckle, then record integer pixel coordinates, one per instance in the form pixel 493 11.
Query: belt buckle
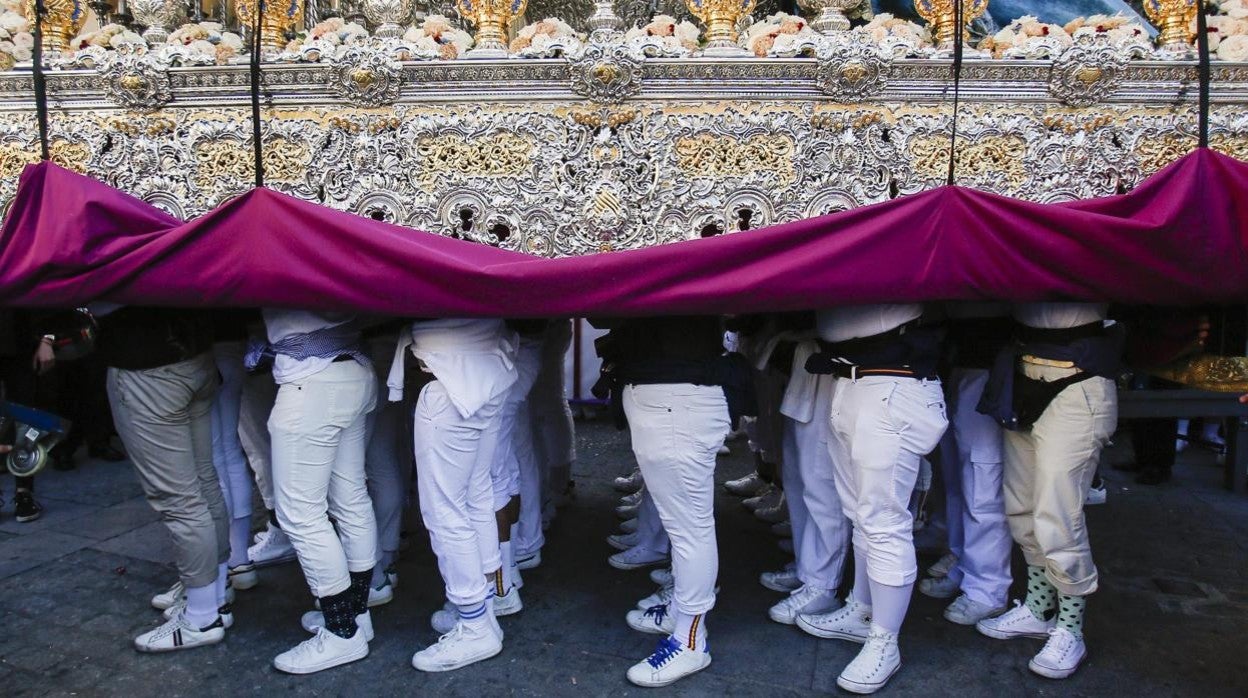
pixel 853 373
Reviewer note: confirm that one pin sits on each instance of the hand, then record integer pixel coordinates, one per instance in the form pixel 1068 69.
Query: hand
pixel 5 449
pixel 44 359
pixel 1244 398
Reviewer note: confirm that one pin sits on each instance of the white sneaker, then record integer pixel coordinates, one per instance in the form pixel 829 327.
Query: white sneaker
pixel 1096 495
pixel 656 619
pixel 275 549
pixel 529 562
pixel 178 634
pixel 623 541
pixel 443 620
pixel 629 526
pixel 784 581
pixel 773 514
pixel 724 450
pixel 662 576
pixel 382 594
pixel 748 486
pixel 637 557
pixel 463 645
pixel 784 529
pixel 1016 622
pixel 964 611
pixel 226 613
pixel 508 604
pixel 628 484
pixel 670 662
pixel 941 567
pixel 243 577
pixel 313 621
pixel 850 622
pixel 875 664
pixel 322 651
pixel 177 593
pixel 1060 656
pixel 767 496
pixel 939 587
pixel 804 600
pixel 661 597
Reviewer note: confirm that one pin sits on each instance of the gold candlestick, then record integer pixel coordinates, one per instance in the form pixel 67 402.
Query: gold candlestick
pixel 492 18
pixel 720 18
pixel 942 16
pixel 1174 18
pixel 62 20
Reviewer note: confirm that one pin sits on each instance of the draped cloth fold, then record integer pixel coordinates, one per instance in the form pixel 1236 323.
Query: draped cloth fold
pixel 1179 238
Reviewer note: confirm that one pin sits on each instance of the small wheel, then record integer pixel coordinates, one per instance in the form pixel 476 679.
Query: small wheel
pixel 24 462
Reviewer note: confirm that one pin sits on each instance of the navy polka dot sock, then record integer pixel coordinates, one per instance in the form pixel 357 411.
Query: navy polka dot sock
pixel 339 612
pixel 360 582
pixel 1070 613
pixel 1041 596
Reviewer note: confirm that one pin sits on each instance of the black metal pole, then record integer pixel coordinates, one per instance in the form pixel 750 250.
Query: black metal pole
pixel 1205 72
pixel 257 26
pixel 957 89
pixel 41 85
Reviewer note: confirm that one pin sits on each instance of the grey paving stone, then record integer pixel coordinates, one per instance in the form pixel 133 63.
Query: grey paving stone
pixel 26 552
pixel 147 542
pixel 110 521
pixel 56 514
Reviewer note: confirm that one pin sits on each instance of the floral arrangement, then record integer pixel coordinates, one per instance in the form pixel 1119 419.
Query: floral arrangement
pixel 779 33
pixel 437 36
pixel 671 35
pixel 208 39
pixel 885 28
pixel 334 31
pixel 1228 31
pixel 538 37
pixel 16 41
pixel 107 36
pixel 1025 31
pixel 1026 35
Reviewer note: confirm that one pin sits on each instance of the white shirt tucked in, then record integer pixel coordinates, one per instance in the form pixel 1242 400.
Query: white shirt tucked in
pixel 855 321
pixel 474 359
pixel 1059 316
pixel 280 323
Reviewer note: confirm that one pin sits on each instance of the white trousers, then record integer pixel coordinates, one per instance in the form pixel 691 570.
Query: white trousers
pixel 387 460
pixel 227 450
pixel 820 528
pixel 453 457
pixel 1047 474
pixel 677 430
pixel 255 405
pixel 318 427
pixel 881 428
pixel 554 438
pixel 974 500
pixel 515 463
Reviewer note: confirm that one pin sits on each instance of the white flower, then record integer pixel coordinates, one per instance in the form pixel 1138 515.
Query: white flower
pixel 214 27
pixel 1234 48
pixel 232 40
pixel 126 38
pixel 24 40
pixel 203 47
pixel 413 34
pixel 21 54
pixel 688 34
pixel 13 23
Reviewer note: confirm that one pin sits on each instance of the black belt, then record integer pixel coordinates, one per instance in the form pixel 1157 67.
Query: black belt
pixel 1040 335
pixel 343 357
pixel 854 372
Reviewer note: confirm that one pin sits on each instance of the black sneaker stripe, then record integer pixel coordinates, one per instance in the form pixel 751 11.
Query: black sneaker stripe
pixel 177 637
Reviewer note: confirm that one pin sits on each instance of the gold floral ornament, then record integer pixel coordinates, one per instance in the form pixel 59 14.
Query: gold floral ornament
pixel 1227 374
pixel 500 155
pixel 492 18
pixel 718 157
pixel 61 22
pixel 720 18
pixel 942 16
pixel 280 17
pixel 1174 18
pixel 1001 158
pixel 284 161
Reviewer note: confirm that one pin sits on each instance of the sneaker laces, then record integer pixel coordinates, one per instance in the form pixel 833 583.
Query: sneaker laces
pixel 312 645
pixel 667 648
pixel 1059 643
pixel 659 612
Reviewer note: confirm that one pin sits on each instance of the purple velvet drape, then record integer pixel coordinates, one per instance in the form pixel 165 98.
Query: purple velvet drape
pixel 1179 238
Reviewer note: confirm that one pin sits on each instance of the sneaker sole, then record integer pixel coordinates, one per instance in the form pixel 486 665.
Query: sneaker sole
pixel 458 665
pixel 530 563
pixel 28 518
pixel 1056 674
pixel 829 634
pixel 243 582
pixel 637 565
pixel 381 601
pixel 508 611
pixel 329 664
pixel 782 620
pixel 1003 635
pixel 863 689
pixel 668 682
pixel 783 589
pixel 618 546
pixel 275 561
pixel 973 621
pixel 942 597
pixel 216 638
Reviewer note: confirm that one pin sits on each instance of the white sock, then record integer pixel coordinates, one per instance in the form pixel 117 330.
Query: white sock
pixel 509 566
pixel 691 630
pixel 862 583
pixel 890 605
pixel 201 605
pixel 218 587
